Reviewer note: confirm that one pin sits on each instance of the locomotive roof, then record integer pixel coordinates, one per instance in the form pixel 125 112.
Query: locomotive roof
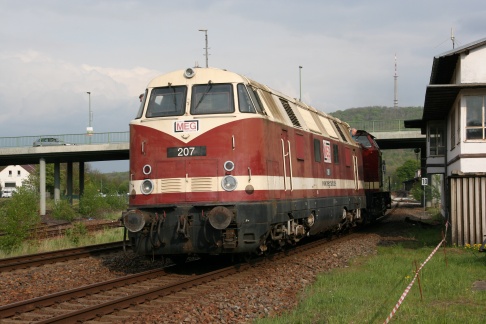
pixel 216 75
pixel 201 76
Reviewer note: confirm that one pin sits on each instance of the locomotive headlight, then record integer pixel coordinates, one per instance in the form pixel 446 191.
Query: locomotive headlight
pixel 229 183
pixel 189 73
pixel 147 186
pixel 229 166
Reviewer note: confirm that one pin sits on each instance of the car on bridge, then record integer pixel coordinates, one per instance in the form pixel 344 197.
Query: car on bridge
pixel 49 141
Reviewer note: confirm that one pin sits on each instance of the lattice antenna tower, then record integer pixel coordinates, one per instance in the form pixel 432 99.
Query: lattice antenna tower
pixel 395 101
pixel 453 39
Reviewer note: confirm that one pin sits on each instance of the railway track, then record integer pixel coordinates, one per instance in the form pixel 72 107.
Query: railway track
pixel 46 231
pixel 34 260
pixel 102 299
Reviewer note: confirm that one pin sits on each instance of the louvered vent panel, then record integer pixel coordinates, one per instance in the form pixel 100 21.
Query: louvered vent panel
pixel 272 106
pixel 202 184
pixel 290 112
pixel 171 185
pixel 340 131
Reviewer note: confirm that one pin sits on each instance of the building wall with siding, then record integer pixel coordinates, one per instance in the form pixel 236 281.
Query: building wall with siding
pixel 468 209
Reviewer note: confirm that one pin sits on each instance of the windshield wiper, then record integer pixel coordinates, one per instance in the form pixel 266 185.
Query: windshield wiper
pixel 208 88
pixel 174 96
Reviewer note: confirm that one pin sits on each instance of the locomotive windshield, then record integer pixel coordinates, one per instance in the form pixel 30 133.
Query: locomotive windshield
pixel 245 102
pixel 363 139
pixel 212 99
pixel 167 101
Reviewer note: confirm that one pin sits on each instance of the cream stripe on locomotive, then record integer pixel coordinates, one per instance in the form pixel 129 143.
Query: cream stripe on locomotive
pixel 212 184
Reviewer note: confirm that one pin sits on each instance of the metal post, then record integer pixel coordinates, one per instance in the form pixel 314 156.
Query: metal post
pixel 206 48
pixel 89 129
pixel 42 186
pixel 300 83
pixel 90 116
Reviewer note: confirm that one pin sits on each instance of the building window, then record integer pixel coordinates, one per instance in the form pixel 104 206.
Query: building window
pixel 18 173
pixel 475 119
pixel 436 139
pixel 9 173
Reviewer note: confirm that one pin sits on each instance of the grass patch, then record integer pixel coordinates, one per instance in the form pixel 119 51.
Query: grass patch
pixel 367 291
pixel 74 239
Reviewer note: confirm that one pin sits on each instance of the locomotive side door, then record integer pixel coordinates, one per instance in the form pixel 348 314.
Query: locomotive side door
pixel 286 163
pixel 356 173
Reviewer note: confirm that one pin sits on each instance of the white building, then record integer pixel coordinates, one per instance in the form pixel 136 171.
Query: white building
pixel 454 120
pixel 12 177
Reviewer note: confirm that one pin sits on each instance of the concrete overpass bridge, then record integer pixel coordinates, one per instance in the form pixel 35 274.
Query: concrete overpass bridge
pixel 70 148
pixel 82 148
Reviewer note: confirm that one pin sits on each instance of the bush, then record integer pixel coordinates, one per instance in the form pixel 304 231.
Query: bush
pixel 116 201
pixel 62 210
pixel 417 192
pixel 18 216
pixel 91 203
pixel 75 233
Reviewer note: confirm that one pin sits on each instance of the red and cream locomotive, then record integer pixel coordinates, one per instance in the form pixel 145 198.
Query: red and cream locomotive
pixel 222 164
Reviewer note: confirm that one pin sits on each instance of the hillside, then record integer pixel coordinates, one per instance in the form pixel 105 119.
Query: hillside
pixel 378 113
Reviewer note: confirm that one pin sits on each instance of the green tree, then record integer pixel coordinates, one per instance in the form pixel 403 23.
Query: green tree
pixel 407 170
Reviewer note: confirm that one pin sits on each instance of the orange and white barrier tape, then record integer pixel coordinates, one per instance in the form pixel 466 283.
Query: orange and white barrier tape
pixel 402 298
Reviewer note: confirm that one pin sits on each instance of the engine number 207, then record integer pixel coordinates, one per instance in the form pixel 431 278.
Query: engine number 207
pixel 186 151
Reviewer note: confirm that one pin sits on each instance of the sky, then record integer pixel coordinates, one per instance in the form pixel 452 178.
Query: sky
pixel 52 52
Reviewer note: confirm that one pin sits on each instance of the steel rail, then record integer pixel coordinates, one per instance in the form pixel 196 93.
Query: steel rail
pixel 34 260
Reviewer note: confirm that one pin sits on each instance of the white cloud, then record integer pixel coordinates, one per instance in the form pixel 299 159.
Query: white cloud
pixel 38 92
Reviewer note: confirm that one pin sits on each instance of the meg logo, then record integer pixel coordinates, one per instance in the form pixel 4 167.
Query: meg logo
pixel 186 126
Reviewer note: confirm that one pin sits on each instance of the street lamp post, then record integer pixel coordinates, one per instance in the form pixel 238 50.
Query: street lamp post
pixel 89 129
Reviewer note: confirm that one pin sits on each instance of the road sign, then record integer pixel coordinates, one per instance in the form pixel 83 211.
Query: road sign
pixel 425 181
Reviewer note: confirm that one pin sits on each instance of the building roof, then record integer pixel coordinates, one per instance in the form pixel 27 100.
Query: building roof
pixel 441 93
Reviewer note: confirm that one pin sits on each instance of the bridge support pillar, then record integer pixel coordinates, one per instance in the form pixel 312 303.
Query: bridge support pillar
pixel 57 182
pixel 81 179
pixel 69 182
pixel 42 169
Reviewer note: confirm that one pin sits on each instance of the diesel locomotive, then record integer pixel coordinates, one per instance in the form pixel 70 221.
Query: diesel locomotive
pixel 221 164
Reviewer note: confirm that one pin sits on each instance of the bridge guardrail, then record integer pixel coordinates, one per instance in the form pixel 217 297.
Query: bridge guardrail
pixel 77 139
pixel 371 126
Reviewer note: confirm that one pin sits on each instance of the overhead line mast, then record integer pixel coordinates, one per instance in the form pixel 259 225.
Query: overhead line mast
pixel 395 101
pixel 206 48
